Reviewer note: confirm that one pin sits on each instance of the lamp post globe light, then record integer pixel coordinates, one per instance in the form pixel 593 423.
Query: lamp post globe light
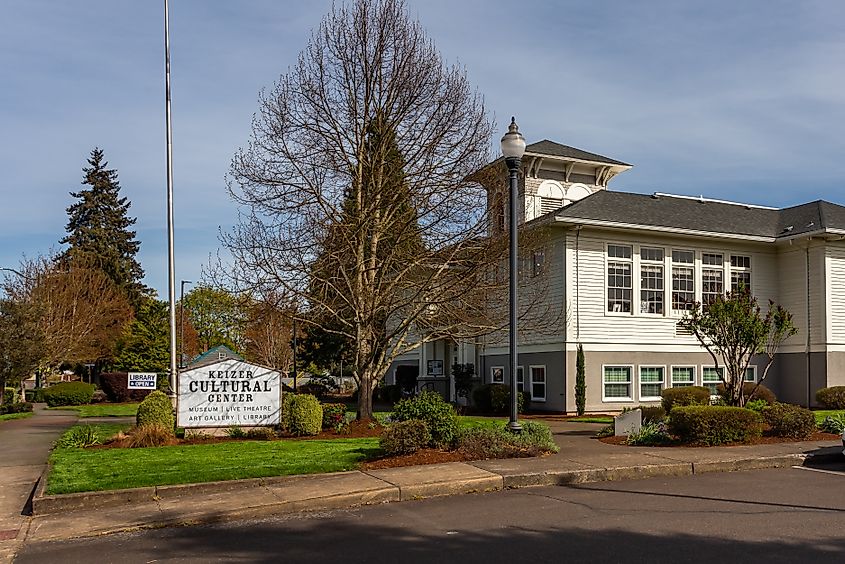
pixel 513 147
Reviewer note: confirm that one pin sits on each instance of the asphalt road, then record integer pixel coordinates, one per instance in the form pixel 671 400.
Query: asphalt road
pixel 788 515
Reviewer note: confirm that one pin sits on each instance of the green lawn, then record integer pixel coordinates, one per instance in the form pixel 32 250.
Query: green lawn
pixel 94 469
pixel 104 409
pixel 822 413
pixel 10 416
pixel 605 419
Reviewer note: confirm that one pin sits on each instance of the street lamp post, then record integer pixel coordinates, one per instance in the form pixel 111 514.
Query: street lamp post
pixel 182 322
pixel 513 147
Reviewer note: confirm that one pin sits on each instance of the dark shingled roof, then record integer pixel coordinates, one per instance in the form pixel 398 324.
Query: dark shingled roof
pixel 704 215
pixel 547 147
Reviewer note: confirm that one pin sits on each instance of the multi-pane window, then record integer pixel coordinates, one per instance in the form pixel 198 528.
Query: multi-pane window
pixel 651 280
pixel 651 382
pixel 750 374
pixel 740 272
pixel 520 379
pixel 683 376
pixel 711 378
pixel 619 278
pixel 616 381
pixel 712 277
pixel 683 280
pixel 538 383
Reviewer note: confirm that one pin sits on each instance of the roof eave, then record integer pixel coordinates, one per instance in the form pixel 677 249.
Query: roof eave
pixel 662 229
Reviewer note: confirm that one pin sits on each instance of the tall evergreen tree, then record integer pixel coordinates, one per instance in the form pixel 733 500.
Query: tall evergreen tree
pixel 98 228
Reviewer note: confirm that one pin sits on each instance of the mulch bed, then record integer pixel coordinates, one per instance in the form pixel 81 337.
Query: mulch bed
pixel 422 456
pixel 766 439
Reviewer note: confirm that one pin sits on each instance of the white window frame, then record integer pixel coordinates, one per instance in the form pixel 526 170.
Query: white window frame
pixel 640 382
pixel 653 264
pixel 630 397
pixel 520 378
pixel 672 375
pixel 721 369
pixel 740 269
pixel 628 261
pixel 493 370
pixel 545 382
pixel 696 274
pixel 753 369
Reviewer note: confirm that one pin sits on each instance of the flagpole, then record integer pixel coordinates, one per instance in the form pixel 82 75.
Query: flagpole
pixel 171 264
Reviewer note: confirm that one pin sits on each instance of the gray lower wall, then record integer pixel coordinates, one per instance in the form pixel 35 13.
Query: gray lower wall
pixel 788 376
pixel 555 376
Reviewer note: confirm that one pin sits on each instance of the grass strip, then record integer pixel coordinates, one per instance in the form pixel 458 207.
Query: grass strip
pixel 822 413
pixel 604 419
pixel 11 416
pixel 97 469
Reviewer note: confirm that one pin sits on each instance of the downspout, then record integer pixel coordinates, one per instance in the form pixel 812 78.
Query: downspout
pixel 809 330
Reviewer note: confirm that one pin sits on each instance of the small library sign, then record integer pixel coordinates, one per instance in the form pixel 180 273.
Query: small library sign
pixel 229 393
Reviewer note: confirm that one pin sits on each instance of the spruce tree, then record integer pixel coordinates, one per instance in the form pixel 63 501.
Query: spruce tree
pixel 98 228
pixel 580 382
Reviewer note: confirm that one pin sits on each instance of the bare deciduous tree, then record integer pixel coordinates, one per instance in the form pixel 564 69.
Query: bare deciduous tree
pixel 355 197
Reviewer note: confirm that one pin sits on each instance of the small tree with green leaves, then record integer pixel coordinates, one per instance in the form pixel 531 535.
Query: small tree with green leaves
pixel 733 330
pixel 580 382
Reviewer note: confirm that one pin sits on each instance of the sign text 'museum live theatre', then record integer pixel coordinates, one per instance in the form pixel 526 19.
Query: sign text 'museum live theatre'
pixel 229 393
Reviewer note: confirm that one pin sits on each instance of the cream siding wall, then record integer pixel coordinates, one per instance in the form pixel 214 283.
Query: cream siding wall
pixel 835 257
pixel 586 288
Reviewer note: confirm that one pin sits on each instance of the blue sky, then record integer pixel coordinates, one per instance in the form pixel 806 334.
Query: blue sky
pixel 736 100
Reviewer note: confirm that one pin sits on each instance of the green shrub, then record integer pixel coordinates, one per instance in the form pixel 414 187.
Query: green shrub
pixel 9 395
pixel 653 414
pixel 151 435
pixel 650 434
pixel 156 409
pixel 68 393
pixel 761 393
pixel 439 416
pixel 334 415
pixel 834 424
pixel 496 399
pixel 606 431
pixel 287 401
pixel 405 437
pixel 831 398
pixel 80 436
pixel 498 442
pixel 757 405
pixel 580 382
pixel 235 432
pixel 306 415
pixel 35 395
pixel 19 407
pixel 787 420
pixel 687 395
pixel 714 425
pixel 260 433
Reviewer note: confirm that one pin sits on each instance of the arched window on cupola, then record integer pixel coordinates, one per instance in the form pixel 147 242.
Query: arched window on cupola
pixel 551 195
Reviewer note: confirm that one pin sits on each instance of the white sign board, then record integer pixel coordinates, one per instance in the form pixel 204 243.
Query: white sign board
pixel 142 381
pixel 229 393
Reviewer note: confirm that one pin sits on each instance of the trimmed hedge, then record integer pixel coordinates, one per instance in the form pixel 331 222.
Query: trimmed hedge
pixel 787 420
pixel 687 395
pixel 68 393
pixel 156 409
pixel 114 384
pixel 35 395
pixel 439 416
pixel 305 415
pixel 714 425
pixel 831 398
pixel 652 414
pixel 761 393
pixel 18 407
pixel 496 398
pixel 405 437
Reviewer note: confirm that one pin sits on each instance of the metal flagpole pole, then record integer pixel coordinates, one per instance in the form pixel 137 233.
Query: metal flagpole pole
pixel 171 265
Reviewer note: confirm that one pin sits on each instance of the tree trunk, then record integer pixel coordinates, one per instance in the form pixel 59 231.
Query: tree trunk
pixel 365 396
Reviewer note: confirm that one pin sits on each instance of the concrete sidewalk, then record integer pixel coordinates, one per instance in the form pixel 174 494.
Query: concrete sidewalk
pixel 581 459
pixel 25 446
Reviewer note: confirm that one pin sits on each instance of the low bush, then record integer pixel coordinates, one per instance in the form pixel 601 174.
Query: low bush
pixel 9 395
pixel 35 395
pixel 653 414
pixel 714 425
pixel 496 399
pixel 405 437
pixel 260 433
pixel 831 398
pixel 18 407
pixel 757 405
pixel 498 442
pixel 68 393
pixel 833 424
pixel 334 415
pixel 760 393
pixel 787 420
pixel 151 435
pixel 156 409
pixel 287 401
pixel 235 432
pixel 79 437
pixel 650 434
pixel 305 416
pixel 439 416
pixel 687 395
pixel 99 396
